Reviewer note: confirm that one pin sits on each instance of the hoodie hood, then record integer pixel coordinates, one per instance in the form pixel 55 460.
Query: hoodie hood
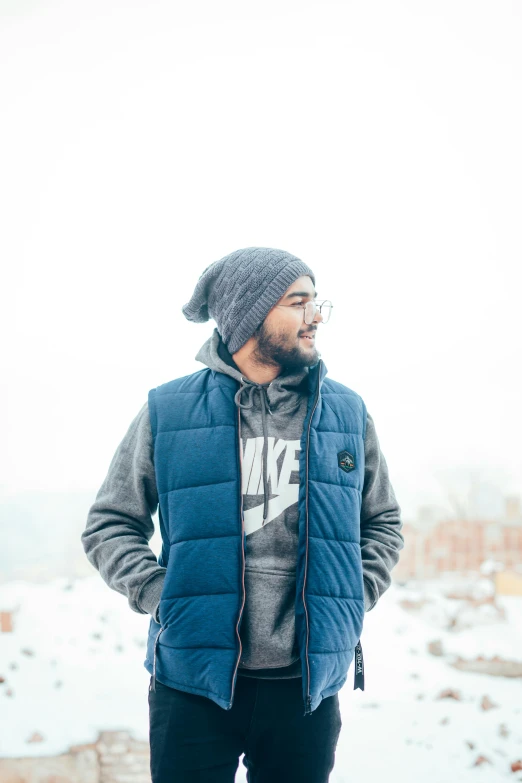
pixel 283 393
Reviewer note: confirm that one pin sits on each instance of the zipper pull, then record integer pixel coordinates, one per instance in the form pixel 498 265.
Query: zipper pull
pixel 359 667
pixel 308 705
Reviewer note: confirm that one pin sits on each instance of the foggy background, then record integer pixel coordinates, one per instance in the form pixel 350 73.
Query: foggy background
pixel 380 142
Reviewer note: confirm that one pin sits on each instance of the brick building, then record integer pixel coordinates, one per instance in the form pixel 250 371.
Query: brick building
pixel 115 757
pixel 460 546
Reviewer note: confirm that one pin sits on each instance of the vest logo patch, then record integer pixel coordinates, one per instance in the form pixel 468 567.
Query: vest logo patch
pixel 346 461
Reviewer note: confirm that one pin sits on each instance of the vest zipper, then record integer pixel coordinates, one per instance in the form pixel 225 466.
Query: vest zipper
pixel 242 553
pixel 308 707
pixel 152 686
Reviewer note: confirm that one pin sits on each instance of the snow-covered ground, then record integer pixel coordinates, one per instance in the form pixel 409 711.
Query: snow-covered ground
pixel 74 666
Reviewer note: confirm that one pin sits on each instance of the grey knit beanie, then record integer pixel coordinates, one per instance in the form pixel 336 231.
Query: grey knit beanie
pixel 239 290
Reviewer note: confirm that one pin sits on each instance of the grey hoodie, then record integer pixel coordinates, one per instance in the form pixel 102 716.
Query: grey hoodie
pixel 119 523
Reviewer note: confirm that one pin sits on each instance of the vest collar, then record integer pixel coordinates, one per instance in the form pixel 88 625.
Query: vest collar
pixel 317 373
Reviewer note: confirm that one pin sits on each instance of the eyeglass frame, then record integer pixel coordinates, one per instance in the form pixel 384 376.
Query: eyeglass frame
pixel 316 305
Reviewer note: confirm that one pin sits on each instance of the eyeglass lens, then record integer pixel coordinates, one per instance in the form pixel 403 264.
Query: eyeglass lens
pixel 325 308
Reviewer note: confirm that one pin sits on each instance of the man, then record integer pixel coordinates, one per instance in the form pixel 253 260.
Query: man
pixel 279 530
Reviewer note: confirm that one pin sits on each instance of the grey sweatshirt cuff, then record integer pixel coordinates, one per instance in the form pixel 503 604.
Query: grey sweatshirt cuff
pixel 369 600
pixel 150 593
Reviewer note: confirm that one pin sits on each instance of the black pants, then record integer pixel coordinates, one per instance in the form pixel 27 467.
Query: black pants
pixel 193 739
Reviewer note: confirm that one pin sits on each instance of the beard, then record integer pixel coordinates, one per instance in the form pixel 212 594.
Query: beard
pixel 276 350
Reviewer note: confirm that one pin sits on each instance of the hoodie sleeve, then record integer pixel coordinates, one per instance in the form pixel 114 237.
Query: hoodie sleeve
pixel 119 523
pixel 381 539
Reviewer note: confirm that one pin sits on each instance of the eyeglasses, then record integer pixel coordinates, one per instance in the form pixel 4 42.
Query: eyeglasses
pixel 310 308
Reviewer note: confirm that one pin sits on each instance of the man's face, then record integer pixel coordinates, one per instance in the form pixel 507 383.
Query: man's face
pixel 283 338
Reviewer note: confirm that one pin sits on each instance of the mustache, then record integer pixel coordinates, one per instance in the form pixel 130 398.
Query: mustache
pixel 309 331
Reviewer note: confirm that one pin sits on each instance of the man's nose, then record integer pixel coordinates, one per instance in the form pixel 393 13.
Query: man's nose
pixel 317 317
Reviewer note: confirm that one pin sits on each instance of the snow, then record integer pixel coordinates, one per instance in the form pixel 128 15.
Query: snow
pixel 85 636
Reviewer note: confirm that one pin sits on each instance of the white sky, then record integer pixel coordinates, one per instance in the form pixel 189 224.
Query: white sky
pixel 380 142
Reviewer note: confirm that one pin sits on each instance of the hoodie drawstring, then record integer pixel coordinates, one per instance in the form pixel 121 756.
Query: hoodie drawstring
pixel 250 388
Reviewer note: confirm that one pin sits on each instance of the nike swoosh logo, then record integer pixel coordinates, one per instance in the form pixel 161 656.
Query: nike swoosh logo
pixel 276 506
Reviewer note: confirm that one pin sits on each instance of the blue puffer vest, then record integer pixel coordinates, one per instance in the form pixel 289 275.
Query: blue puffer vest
pixel 196 432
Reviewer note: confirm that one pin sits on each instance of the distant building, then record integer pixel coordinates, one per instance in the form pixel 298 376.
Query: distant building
pixel 115 757
pixel 508 583
pixel 6 622
pixel 433 547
